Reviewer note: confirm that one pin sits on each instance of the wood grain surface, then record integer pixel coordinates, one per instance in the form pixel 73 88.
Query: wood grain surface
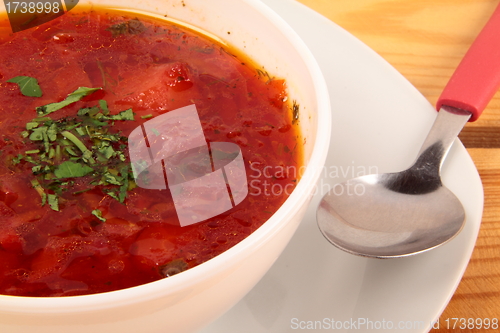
pixel 424 41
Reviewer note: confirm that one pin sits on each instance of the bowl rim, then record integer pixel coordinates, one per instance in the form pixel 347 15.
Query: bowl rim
pixel 257 239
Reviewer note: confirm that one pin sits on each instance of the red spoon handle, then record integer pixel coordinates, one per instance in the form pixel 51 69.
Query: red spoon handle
pixel 477 77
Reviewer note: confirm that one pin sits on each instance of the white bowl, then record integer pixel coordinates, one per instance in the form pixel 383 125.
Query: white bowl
pixel 192 299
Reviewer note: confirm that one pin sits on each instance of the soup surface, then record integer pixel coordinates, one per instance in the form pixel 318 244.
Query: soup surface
pixel 72 219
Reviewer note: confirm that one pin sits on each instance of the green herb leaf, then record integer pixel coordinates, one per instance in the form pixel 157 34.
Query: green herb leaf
pixel 52 153
pixel 113 195
pixel 34 151
pixel 36 185
pixel 87 154
pixel 112 179
pixel 52 132
pixel 71 151
pixel 70 169
pixel 104 106
pixel 107 151
pixel 17 159
pixel 92 111
pixel 97 213
pixel 41 119
pixel 124 115
pixel 81 131
pixel 28 86
pixel 53 202
pixel 75 96
pixel 125 171
pixel 36 169
pixel 31 125
pixel 38 133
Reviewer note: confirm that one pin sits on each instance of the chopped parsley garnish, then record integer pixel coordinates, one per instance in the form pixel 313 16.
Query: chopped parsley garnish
pixel 28 86
pixel 71 148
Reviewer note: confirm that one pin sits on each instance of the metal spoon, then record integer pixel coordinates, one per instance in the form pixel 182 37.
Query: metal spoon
pixel 409 212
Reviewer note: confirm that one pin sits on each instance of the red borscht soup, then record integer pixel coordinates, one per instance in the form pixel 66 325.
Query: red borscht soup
pixel 73 220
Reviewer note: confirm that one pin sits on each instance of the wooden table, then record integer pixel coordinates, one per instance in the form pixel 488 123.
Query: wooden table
pixel 424 41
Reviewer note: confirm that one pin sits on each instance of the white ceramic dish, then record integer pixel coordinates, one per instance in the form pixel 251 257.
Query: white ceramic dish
pixel 379 120
pixel 190 300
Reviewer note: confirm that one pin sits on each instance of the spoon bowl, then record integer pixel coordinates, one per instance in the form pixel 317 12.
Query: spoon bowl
pixel 374 228
pixel 409 212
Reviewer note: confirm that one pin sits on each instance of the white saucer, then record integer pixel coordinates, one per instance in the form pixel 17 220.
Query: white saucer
pixel 379 122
